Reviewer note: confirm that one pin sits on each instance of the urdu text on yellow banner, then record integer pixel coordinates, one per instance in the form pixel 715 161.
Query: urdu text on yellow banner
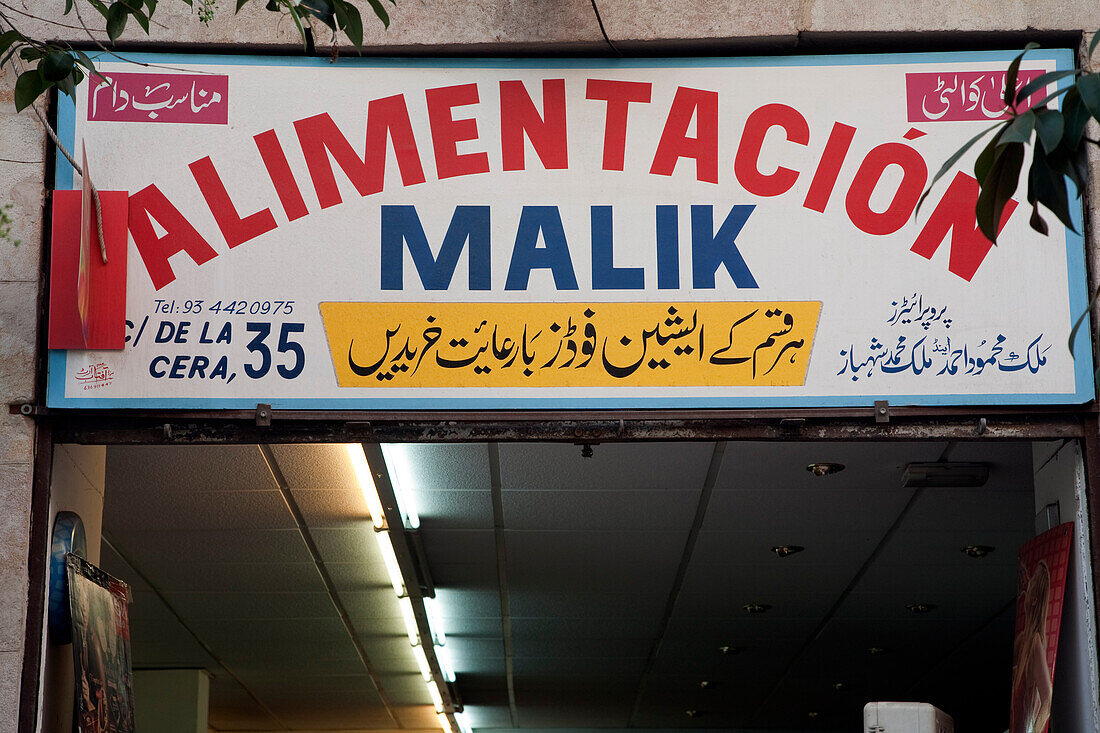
pixel 425 345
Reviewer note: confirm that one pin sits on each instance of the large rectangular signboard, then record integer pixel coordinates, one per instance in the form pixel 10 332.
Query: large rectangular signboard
pixel 495 233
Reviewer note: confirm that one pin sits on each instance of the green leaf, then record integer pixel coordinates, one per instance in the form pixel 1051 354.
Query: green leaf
pixel 1076 116
pixel 9 38
pixel 1057 93
pixel 68 6
pixel 1088 86
pixel 1049 126
pixel 67 85
pixel 354 27
pixel 1093 42
pixel 954 159
pixel 997 189
pixel 116 21
pixel 152 6
pixel 298 22
pixel 56 66
pixel 30 53
pixel 240 4
pixel 28 87
pixel 340 12
pixel 1042 81
pixel 1036 222
pixel 1013 71
pixel 984 162
pixel 1047 186
pixel 1019 129
pixel 100 7
pixel 84 60
pixel 380 11
pixel 1081 319
pixel 141 19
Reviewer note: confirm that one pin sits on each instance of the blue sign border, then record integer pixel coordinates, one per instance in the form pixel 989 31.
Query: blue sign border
pixel 1085 389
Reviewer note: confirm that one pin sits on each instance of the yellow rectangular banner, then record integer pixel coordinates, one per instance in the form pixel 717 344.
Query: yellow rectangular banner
pixel 570 344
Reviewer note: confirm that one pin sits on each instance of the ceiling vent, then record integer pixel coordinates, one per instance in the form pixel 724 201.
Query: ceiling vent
pixel 945 475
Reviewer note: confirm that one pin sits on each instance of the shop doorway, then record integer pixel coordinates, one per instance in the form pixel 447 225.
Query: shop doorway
pixel 681 585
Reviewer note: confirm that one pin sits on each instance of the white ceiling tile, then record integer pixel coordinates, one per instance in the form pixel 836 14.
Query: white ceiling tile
pixel 593 509
pixel 133 469
pixel 612 467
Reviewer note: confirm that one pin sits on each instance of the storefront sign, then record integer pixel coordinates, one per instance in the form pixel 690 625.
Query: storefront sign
pixel 567 233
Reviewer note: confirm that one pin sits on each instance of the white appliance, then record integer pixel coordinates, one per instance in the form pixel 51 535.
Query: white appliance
pixel 905 717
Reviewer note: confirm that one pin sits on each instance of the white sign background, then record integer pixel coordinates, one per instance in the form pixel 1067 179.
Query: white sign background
pixel 1028 285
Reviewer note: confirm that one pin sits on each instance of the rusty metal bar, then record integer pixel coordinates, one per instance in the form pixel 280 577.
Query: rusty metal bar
pixel 179 429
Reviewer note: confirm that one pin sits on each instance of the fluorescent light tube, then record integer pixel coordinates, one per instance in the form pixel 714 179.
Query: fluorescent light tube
pixel 435 620
pixel 366 483
pixel 445 665
pixel 422 662
pixel 443 722
pixel 389 557
pixel 410 620
pixel 397 461
pixel 437 700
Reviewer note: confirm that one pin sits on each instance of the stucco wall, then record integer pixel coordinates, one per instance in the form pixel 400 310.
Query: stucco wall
pixel 424 26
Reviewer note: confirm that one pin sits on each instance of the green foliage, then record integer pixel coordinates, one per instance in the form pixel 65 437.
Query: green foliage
pixel 1059 152
pixel 58 65
pixel 1059 146
pixel 5 226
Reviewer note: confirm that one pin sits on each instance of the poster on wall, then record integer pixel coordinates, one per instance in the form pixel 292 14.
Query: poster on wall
pixel 568 233
pixel 101 649
pixel 1041 584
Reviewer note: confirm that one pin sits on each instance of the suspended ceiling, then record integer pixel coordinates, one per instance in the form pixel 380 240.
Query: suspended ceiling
pixel 579 592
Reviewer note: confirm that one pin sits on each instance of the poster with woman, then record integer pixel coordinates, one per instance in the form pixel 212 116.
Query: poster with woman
pixel 101 649
pixel 1041 588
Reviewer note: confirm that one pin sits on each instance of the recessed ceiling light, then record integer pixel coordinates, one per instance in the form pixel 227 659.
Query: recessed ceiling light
pixel 876 650
pixel 691 713
pixel 756 607
pixel 824 469
pixel 977 550
pixel 838 686
pixel 921 607
pixel 786 550
pixel 706 684
pixel 729 650
pixel 813 714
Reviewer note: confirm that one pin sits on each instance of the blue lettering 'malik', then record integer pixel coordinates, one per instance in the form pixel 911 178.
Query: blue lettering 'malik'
pixel 540 244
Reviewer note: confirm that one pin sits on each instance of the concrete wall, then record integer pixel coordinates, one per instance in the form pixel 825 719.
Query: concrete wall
pixel 418 26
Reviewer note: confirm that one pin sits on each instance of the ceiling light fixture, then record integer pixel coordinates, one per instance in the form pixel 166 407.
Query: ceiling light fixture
pixel 839 686
pixel 977 550
pixel 921 607
pixel 691 713
pixel 366 483
pixel 876 650
pixel 824 469
pixel 422 662
pixel 945 474
pixel 445 666
pixel 728 650
pixel 389 557
pixel 813 714
pixel 435 620
pixel 410 620
pixel 787 550
pixel 444 723
pixel 460 719
pixel 757 607
pixel 398 463
pixel 437 699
